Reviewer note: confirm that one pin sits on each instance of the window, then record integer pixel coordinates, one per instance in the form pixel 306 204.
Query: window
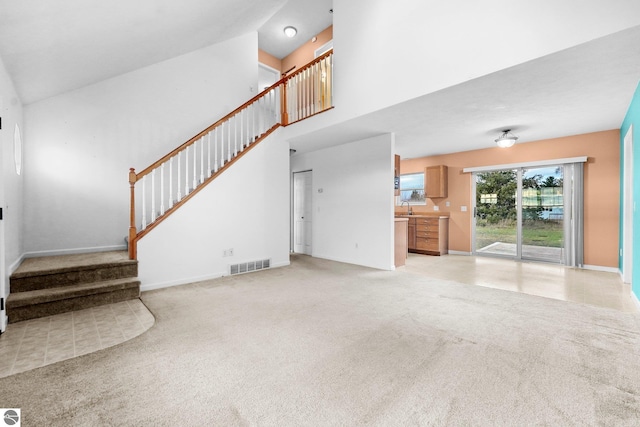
pixel 412 189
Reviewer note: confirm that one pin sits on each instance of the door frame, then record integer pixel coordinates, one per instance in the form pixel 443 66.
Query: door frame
pixel 3 267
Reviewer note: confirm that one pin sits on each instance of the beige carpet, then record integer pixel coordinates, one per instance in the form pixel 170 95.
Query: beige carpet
pixel 323 343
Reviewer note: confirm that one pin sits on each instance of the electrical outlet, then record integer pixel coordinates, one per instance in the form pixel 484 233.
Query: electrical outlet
pixel 230 252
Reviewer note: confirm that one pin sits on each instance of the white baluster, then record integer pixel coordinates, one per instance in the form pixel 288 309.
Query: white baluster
pixel 171 182
pixel 305 94
pixel 242 142
pixel 235 135
pixel 269 108
pixel 295 93
pixel 144 202
pixel 162 189
pixel 186 171
pixel 258 131
pixel 228 158
pixel 153 195
pixel 215 149
pixel 253 121
pixel 316 85
pixel 209 155
pixel 202 160
pixel 179 161
pixel 195 167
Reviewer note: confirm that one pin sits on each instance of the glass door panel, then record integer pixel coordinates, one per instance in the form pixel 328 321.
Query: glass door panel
pixel 496 217
pixel 543 214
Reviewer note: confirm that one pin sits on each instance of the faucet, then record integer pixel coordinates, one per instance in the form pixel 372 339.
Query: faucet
pixel 408 206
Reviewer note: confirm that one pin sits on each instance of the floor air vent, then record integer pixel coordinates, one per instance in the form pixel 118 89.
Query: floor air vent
pixel 247 267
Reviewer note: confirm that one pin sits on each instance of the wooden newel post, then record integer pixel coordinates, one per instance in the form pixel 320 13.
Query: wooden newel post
pixel 284 114
pixel 133 253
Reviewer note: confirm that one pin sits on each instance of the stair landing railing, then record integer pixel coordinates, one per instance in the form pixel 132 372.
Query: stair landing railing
pixel 172 180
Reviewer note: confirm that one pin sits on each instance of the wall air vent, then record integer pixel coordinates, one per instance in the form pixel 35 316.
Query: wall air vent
pixel 247 267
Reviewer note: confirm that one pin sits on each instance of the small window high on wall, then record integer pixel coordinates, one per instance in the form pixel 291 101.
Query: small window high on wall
pixel 412 189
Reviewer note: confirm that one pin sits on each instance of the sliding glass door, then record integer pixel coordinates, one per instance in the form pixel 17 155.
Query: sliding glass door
pixel 543 214
pixel 496 231
pixel 520 213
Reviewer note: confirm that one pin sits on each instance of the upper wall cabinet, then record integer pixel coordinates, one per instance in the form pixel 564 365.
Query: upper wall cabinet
pixel 436 181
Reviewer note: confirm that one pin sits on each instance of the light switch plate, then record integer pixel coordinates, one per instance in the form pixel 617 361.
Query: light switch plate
pixel 463 208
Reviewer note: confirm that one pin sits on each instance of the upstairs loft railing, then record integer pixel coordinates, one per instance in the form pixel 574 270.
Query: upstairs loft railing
pixel 161 188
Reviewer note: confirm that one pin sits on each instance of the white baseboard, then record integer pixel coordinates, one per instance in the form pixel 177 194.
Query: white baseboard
pixel 459 253
pixel 601 268
pixel 13 267
pixel 352 262
pixel 185 281
pixel 75 251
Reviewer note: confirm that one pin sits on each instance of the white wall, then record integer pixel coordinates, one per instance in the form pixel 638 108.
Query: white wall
pixel 355 206
pixel 246 208
pixel 81 144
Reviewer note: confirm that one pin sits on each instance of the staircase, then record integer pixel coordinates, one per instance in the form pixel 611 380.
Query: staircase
pixel 163 187
pixel 51 285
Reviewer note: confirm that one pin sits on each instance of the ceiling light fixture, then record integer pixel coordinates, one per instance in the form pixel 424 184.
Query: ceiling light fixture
pixel 290 31
pixel 506 140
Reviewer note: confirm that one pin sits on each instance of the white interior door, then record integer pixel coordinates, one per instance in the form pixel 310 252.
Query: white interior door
pixel 302 211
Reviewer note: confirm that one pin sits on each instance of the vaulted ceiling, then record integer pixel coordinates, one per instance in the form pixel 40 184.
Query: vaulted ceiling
pixel 50 47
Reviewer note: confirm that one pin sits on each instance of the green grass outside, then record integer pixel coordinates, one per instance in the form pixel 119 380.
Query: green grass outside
pixel 534 233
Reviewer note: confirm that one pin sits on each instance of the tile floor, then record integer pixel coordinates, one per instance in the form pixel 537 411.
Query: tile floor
pixel 598 288
pixel 38 342
pixel 33 343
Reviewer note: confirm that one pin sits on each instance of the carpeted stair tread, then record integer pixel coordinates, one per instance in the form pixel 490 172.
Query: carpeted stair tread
pixel 22 299
pixel 70 270
pixel 65 263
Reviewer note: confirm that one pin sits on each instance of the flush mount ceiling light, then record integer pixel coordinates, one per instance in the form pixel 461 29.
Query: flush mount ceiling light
pixel 506 140
pixel 290 31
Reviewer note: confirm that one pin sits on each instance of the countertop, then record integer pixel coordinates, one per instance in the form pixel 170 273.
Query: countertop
pixel 424 215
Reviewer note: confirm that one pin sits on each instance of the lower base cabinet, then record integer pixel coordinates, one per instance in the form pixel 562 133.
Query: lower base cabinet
pixel 429 235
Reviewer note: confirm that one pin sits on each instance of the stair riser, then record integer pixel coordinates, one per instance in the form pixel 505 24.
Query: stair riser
pixel 19 314
pixel 70 278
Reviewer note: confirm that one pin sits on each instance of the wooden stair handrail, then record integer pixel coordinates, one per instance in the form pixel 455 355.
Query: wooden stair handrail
pixel 282 81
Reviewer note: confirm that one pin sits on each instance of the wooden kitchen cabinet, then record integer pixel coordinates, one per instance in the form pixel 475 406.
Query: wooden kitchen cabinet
pixel 436 181
pixel 400 241
pixel 411 242
pixel 430 235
